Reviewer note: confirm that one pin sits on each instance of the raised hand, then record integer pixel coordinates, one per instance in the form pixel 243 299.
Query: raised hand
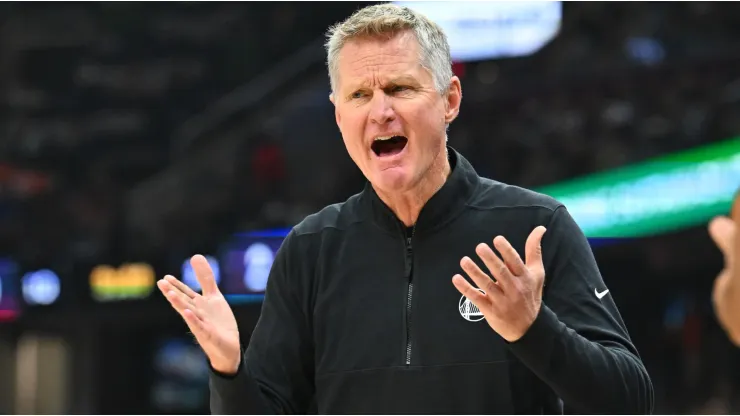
pixel 208 316
pixel 723 232
pixel 511 303
pixel 726 291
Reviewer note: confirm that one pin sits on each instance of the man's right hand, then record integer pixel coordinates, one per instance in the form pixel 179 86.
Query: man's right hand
pixel 208 316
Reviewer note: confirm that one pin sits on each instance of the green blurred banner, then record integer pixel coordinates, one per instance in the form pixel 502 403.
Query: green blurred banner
pixel 664 194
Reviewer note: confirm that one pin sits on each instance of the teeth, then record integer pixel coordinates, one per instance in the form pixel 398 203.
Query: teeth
pixel 383 138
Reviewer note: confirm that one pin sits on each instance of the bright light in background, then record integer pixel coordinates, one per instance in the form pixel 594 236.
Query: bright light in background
pixel 490 30
pixel 258 260
pixel 188 275
pixel 41 287
pixel 667 193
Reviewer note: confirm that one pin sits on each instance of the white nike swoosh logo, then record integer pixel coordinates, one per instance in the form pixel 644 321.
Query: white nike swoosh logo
pixel 600 294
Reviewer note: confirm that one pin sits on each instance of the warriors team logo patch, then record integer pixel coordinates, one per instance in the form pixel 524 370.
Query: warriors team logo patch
pixel 469 311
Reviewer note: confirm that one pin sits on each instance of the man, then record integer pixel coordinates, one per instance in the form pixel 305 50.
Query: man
pixel 726 293
pixel 363 311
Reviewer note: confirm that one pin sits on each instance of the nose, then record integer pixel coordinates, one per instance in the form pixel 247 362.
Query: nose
pixel 381 109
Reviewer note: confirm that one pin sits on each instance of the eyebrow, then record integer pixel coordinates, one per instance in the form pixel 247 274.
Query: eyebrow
pixel 401 79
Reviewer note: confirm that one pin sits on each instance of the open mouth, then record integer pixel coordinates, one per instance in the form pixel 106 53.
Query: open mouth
pixel 390 146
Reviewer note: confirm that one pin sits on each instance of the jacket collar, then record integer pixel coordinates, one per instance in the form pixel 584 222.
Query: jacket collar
pixel 443 206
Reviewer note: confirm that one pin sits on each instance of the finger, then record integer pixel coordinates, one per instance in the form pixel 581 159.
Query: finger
pixel 721 229
pixel 196 325
pixel 204 274
pixel 180 285
pixel 166 287
pixel 178 300
pixel 482 280
pixel 496 266
pixel 481 301
pixel 533 248
pixel 511 257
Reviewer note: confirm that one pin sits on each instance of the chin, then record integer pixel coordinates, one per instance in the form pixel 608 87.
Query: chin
pixel 392 180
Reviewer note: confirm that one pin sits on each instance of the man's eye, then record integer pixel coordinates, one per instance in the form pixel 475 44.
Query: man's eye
pixel 399 88
pixel 357 94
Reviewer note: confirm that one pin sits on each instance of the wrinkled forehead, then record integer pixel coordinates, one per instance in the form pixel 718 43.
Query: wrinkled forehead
pixel 374 60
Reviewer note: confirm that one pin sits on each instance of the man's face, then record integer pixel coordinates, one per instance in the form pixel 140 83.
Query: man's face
pixel 383 92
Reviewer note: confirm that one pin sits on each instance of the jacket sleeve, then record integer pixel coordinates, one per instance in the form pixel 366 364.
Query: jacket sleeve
pixel 578 344
pixel 276 373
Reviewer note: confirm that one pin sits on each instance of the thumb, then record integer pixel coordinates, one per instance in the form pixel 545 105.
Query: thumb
pixel 533 247
pixel 204 274
pixel 722 229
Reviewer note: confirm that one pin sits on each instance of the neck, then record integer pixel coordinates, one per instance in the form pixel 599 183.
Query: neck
pixel 408 204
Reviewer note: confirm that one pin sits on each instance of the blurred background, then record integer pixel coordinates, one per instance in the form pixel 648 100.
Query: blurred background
pixel 133 135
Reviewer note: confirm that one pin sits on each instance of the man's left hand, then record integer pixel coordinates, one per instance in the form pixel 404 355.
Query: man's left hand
pixel 512 302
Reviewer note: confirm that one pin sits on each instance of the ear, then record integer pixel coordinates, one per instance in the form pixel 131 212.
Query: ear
pixel 454 98
pixel 336 109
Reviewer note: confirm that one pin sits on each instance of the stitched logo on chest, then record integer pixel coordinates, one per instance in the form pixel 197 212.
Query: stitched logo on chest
pixel 469 311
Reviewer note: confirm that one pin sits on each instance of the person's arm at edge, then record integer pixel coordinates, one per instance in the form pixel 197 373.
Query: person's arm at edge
pixel 275 375
pixel 727 309
pixel 726 293
pixel 578 344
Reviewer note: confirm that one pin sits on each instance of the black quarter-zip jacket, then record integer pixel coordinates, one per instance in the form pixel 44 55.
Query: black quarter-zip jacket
pixel 360 316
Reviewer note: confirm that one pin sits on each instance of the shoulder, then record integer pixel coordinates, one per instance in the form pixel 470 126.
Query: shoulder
pixel 339 217
pixel 524 209
pixel 494 195
pixel 306 241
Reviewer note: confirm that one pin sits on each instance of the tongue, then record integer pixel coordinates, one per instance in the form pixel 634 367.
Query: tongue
pixel 389 147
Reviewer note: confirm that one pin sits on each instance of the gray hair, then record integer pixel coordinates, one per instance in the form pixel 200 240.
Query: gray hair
pixel 389 19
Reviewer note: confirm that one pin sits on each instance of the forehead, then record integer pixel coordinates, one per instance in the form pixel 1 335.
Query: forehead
pixel 378 59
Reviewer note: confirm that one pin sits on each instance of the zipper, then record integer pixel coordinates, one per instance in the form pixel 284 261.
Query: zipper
pixel 409 292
